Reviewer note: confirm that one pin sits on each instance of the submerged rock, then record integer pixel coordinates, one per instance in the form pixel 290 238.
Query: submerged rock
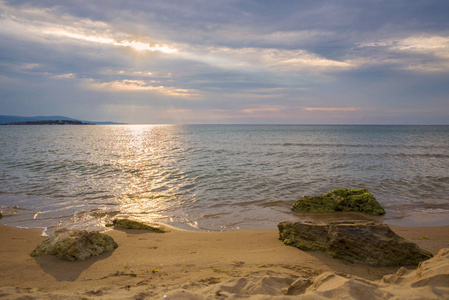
pixel 130 224
pixel 75 244
pixel 355 241
pixel 340 200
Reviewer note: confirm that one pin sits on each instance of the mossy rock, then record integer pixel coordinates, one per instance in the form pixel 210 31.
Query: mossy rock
pixel 370 243
pixel 340 200
pixel 131 224
pixel 75 244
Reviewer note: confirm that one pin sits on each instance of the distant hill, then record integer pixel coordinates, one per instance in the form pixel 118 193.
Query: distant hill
pixel 50 122
pixel 5 119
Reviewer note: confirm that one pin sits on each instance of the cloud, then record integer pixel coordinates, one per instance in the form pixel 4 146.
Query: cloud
pixel 422 53
pixel 25 68
pixel 266 37
pixel 207 115
pixel 434 49
pixel 268 59
pixel 64 76
pixel 274 113
pixel 89 38
pixel 40 24
pixel 262 110
pixel 131 85
pixel 140 46
pixel 435 45
pixel 135 72
pixel 331 108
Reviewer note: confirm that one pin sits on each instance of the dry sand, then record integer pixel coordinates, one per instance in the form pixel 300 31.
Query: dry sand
pixel 208 265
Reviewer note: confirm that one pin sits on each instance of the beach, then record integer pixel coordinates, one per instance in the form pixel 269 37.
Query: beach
pixel 180 264
pixel 218 150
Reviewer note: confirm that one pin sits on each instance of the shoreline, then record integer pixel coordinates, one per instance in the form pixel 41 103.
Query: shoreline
pixel 149 265
pixel 92 220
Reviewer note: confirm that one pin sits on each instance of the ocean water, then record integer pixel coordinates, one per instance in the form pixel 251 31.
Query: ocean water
pixel 217 177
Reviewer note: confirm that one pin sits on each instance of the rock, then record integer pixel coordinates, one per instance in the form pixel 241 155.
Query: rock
pixel 130 224
pixel 355 241
pixel 1 215
pixel 298 287
pixel 340 200
pixel 75 244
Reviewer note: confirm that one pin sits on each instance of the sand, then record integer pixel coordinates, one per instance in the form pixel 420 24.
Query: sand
pixel 212 265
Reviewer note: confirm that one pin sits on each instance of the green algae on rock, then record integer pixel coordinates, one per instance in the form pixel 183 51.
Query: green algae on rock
pixel 340 200
pixel 370 243
pixel 131 224
pixel 75 244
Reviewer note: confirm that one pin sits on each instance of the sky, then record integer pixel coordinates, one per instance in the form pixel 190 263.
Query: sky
pixel 220 62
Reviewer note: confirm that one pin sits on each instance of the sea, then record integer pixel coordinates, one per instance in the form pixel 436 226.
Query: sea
pixel 217 177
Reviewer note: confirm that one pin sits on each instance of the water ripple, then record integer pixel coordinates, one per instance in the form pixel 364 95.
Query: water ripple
pixel 215 177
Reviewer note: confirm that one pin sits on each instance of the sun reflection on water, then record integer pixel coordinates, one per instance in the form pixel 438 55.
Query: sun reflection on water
pixel 150 171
